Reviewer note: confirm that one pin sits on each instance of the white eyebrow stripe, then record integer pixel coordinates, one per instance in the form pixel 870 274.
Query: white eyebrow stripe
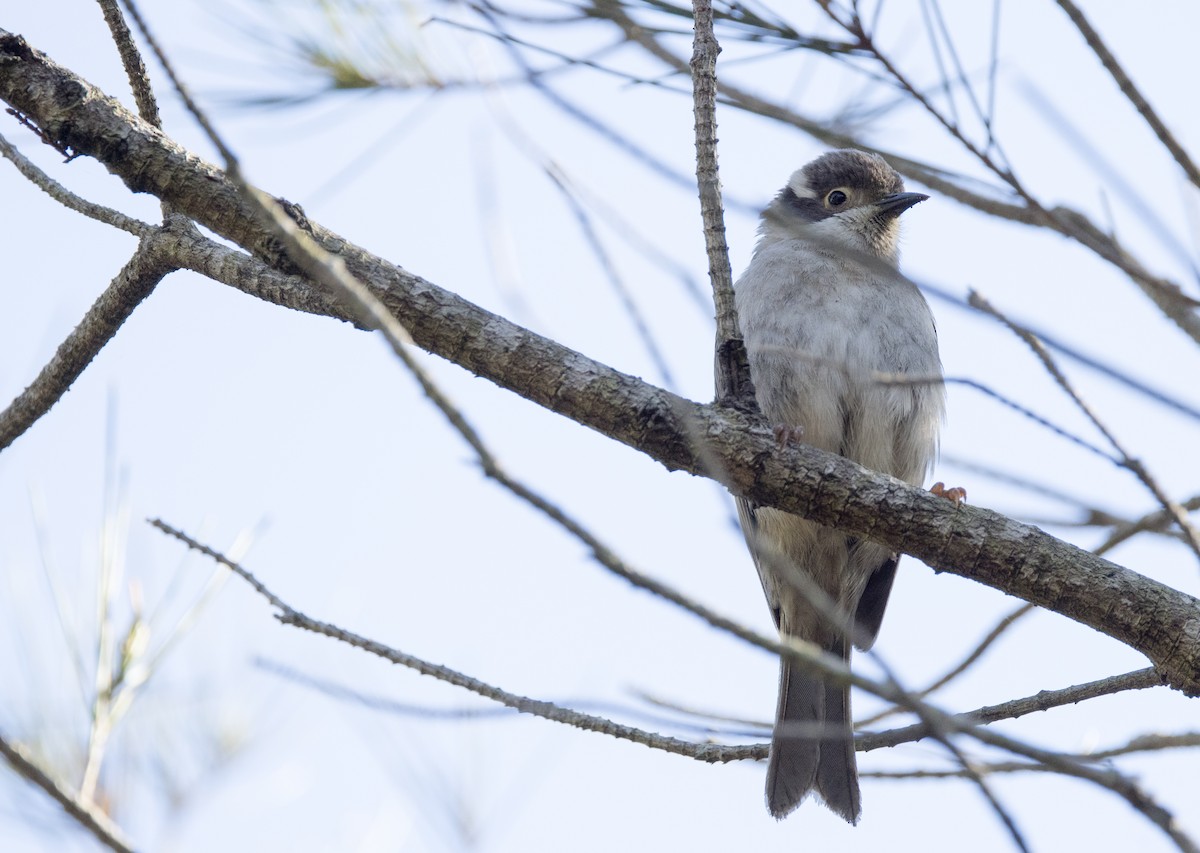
pixel 801 189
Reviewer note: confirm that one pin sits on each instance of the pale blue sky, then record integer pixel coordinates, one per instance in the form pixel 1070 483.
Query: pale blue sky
pixel 230 414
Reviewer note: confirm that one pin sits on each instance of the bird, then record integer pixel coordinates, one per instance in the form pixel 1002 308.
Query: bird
pixel 829 324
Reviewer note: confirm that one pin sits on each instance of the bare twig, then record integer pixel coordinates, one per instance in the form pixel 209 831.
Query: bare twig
pixel 128 290
pixel 67 198
pixel 1166 294
pixel 547 710
pixel 975 654
pixel 1146 743
pixel 131 58
pixel 1130 90
pixel 1141 743
pixel 604 259
pixel 732 367
pixel 169 68
pixel 1046 699
pixel 1177 513
pixel 85 813
pixel 1154 521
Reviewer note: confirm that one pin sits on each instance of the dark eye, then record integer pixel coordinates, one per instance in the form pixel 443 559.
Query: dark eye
pixel 836 198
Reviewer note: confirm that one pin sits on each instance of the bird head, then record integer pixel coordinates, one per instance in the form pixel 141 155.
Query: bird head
pixel 844 197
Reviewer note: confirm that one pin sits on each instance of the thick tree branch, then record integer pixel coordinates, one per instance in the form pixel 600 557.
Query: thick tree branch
pixel 1161 622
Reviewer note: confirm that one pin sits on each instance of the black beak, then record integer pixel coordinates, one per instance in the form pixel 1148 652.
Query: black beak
pixel 896 203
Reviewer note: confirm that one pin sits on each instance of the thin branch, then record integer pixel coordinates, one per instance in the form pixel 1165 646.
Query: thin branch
pixel 131 58
pixel 975 654
pixel 993 65
pixel 1030 414
pixel 1131 91
pixel 547 710
pixel 1146 743
pixel 128 290
pixel 1043 701
pixel 604 259
pixel 161 56
pixel 1139 744
pixel 67 198
pixel 854 27
pixel 732 365
pixel 601 128
pixel 1079 356
pixel 463 713
pixel 1177 513
pixel 85 813
pixel 1155 521
pixel 1092 515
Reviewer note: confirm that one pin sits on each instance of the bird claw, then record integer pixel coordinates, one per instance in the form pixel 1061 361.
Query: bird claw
pixel 787 435
pixel 956 494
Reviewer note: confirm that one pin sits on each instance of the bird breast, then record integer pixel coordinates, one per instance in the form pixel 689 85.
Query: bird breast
pixel 820 329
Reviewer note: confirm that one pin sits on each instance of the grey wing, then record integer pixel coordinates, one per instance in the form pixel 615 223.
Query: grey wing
pixel 869 613
pixel 747 512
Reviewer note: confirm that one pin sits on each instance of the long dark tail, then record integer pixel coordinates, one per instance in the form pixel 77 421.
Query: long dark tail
pixel 813 744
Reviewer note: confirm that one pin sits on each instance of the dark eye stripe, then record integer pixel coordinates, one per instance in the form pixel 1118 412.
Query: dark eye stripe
pixel 808 209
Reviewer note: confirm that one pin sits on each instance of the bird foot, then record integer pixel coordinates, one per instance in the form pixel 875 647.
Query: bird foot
pixel 786 435
pixel 956 494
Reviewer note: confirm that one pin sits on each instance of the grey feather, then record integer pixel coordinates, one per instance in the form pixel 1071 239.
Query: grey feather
pixel 823 313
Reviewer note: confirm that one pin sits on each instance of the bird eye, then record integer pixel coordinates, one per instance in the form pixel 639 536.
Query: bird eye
pixel 836 198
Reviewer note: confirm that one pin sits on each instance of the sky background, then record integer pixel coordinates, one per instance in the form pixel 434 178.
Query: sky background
pixel 226 416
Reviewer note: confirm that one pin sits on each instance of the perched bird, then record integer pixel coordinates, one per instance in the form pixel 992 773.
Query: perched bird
pixel 824 316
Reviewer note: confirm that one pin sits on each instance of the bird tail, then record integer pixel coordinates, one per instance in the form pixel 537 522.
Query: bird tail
pixel 813 743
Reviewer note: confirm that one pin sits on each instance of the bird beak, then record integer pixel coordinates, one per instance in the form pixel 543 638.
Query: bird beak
pixel 897 203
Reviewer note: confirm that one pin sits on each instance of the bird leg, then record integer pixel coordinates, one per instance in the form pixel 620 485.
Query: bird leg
pixel 787 435
pixel 956 494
